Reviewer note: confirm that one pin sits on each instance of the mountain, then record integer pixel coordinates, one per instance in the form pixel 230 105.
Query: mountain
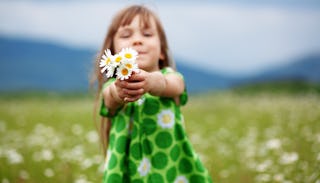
pixel 27 65
pixel 304 69
pixel 198 80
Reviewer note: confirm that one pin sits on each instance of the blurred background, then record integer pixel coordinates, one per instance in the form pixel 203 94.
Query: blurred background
pixel 222 44
pixel 252 69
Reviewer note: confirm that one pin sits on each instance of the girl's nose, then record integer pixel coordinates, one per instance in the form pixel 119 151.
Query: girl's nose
pixel 137 40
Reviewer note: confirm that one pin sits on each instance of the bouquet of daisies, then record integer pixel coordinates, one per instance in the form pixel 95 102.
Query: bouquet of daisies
pixel 121 64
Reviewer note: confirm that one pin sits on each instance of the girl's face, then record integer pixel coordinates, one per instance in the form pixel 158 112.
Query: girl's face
pixel 145 40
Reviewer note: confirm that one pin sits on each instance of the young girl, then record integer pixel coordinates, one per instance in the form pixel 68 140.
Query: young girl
pixel 142 123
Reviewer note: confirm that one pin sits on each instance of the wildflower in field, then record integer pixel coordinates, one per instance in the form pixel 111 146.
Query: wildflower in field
pixel 92 136
pixel 76 129
pixel 121 64
pixel 86 163
pixel 82 179
pixel 262 167
pixel 14 157
pixel 48 172
pixel 77 151
pixel 263 178
pixel 278 177
pixel 273 144
pixel 289 158
pixel 47 155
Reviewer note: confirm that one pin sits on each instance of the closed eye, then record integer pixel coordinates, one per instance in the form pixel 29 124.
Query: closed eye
pixel 147 33
pixel 126 33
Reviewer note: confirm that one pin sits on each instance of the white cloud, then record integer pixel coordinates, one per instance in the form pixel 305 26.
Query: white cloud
pixel 225 37
pixel 243 39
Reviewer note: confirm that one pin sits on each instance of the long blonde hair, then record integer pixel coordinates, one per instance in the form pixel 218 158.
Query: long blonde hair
pixel 123 18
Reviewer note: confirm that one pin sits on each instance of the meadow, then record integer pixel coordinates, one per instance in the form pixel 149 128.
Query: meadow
pixel 241 138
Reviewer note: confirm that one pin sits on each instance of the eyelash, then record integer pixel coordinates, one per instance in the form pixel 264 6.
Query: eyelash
pixel 144 33
pixel 125 36
pixel 147 34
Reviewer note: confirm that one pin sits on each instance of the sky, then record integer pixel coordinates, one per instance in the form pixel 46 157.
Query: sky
pixel 233 37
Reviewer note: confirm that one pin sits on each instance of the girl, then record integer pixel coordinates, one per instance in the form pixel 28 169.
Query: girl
pixel 142 123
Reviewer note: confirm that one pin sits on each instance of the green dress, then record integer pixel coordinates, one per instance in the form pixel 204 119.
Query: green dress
pixel 148 143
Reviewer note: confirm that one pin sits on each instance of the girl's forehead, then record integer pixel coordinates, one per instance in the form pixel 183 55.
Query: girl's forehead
pixel 141 21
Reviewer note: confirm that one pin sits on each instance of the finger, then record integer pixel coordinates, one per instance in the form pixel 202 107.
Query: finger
pixel 119 84
pixel 134 92
pixel 132 99
pixel 131 85
pixel 121 93
pixel 137 76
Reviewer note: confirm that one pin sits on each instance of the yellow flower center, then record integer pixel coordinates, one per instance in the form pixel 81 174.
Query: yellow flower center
pixel 118 59
pixel 108 60
pixel 129 66
pixel 128 55
pixel 145 167
pixel 166 118
pixel 124 72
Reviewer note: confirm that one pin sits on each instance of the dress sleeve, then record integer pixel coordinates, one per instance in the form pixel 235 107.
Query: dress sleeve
pixel 103 109
pixel 184 95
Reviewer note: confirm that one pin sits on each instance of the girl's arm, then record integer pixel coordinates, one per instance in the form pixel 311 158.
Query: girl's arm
pixel 169 85
pixel 116 94
pixel 111 98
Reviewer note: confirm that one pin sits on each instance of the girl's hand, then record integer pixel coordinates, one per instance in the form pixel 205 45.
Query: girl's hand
pixel 132 89
pixel 155 83
pixel 151 82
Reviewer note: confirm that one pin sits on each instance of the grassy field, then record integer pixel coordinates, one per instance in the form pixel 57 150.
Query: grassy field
pixel 240 138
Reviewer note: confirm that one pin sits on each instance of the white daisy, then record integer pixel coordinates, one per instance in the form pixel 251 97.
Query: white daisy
pixel 123 72
pixel 166 119
pixel 110 71
pixel 117 60
pixel 181 179
pixel 130 64
pixel 122 63
pixel 144 167
pixel 129 54
pixel 106 60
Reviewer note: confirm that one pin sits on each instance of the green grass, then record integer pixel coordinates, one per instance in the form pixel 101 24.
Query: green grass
pixel 280 87
pixel 240 138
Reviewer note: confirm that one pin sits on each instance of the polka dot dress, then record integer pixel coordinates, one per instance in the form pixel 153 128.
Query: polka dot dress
pixel 148 144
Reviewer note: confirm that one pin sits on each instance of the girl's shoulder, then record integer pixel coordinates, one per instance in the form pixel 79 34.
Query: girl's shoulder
pixel 183 98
